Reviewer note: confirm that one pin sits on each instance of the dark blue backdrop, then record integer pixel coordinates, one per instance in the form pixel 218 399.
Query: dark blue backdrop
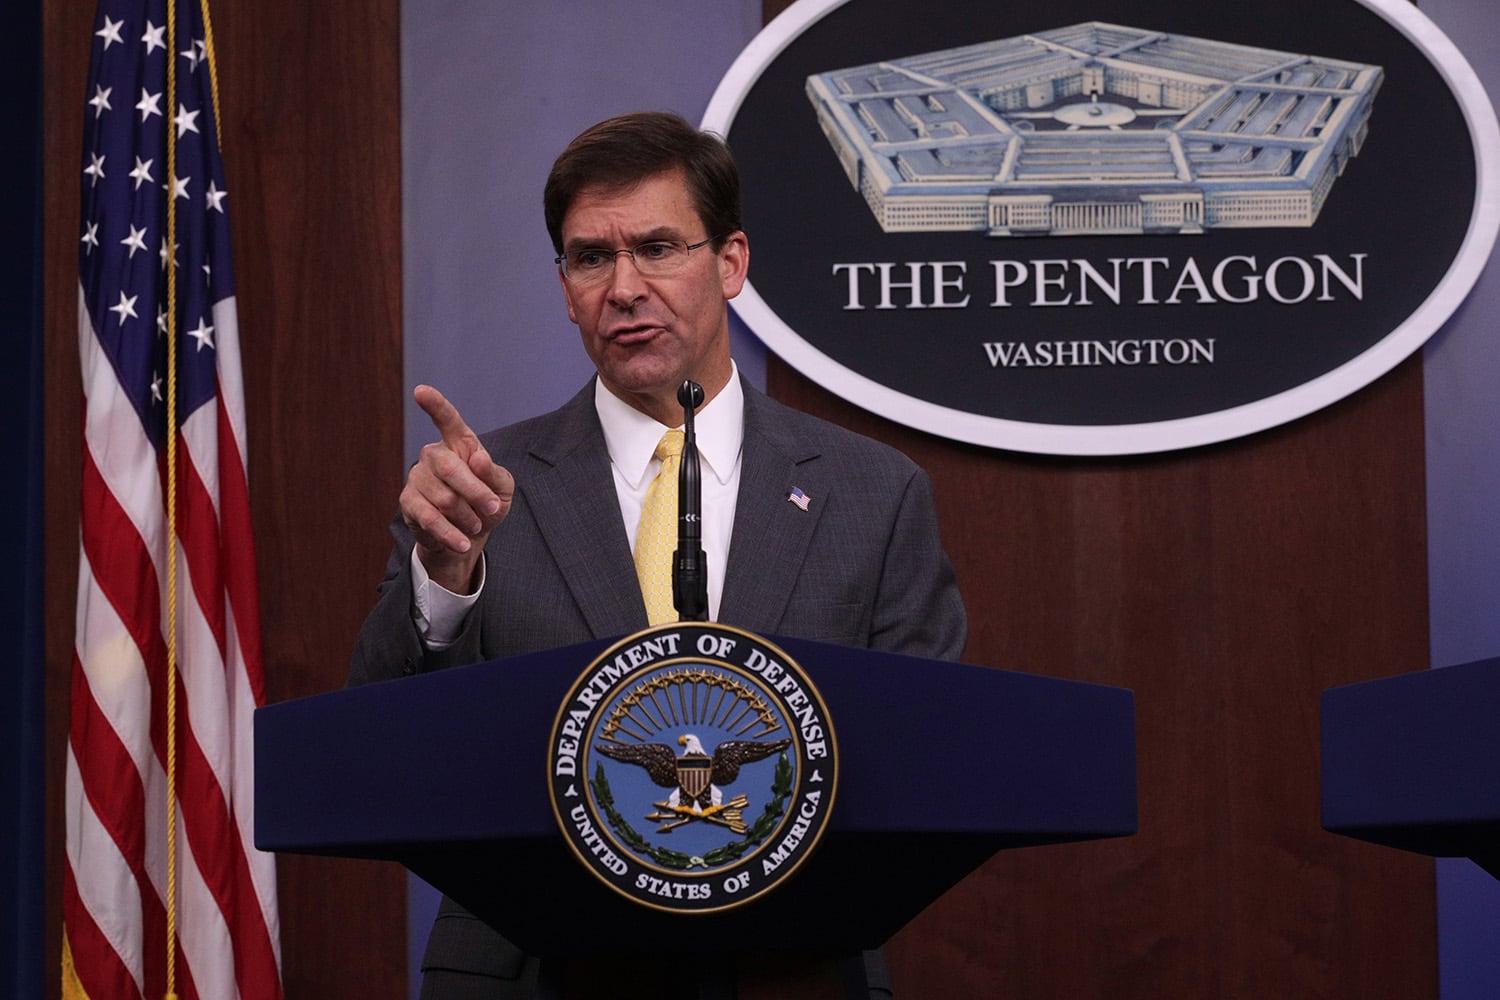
pixel 21 716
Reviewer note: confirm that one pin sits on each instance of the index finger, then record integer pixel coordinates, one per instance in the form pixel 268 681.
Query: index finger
pixel 444 415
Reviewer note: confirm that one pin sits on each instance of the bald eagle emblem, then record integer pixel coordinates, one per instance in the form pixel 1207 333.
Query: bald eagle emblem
pixel 695 778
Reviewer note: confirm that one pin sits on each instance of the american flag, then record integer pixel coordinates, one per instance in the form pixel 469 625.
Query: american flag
pixel 116 898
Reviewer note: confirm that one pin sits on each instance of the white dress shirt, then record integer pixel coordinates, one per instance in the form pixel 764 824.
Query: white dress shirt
pixel 631 438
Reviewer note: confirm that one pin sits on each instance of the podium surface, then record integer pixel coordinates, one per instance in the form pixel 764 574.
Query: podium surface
pixel 941 766
pixel 1410 762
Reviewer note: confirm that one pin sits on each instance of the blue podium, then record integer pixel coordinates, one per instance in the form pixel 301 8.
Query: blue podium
pixel 942 765
pixel 1411 761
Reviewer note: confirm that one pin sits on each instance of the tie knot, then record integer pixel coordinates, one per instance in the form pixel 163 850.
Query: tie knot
pixel 670 445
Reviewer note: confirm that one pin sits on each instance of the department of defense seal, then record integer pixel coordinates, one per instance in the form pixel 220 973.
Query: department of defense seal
pixel 692 767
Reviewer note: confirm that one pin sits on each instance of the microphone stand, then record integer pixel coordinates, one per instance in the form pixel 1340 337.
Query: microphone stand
pixel 689 562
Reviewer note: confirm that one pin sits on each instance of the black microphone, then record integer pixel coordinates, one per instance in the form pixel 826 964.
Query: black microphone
pixel 689 563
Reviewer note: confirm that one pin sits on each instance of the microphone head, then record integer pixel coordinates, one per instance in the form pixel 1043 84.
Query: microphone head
pixel 690 394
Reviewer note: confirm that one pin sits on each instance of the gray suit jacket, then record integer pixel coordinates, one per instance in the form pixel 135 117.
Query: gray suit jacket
pixel 862 566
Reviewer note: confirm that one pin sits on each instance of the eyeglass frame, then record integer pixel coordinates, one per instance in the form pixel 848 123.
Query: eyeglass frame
pixel 614 255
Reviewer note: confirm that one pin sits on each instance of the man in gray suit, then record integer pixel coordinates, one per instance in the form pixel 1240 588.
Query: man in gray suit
pixel 521 539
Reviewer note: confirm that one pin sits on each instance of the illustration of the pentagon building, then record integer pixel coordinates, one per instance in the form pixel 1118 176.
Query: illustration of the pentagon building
pixel 1096 128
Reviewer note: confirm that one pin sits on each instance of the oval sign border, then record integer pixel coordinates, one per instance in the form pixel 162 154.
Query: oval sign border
pixel 1165 435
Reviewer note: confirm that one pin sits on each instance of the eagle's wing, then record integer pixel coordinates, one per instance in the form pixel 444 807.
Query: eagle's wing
pixel 657 758
pixel 729 755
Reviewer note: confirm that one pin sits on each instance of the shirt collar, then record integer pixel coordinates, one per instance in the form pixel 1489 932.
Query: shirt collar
pixel 631 436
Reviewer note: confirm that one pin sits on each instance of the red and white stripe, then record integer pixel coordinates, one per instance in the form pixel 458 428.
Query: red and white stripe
pixel 115 891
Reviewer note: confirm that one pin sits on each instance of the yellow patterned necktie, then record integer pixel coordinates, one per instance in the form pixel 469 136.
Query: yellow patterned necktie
pixel 656 536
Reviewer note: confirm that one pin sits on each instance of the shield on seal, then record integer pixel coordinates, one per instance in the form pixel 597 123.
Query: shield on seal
pixel 693 773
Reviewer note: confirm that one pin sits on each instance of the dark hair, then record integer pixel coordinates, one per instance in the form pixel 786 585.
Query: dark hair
pixel 623 151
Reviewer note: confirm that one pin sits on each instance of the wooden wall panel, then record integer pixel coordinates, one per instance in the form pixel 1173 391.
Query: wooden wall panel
pixel 311 98
pixel 1227 586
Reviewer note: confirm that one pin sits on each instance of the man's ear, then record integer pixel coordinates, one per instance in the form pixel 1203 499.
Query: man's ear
pixel 734 263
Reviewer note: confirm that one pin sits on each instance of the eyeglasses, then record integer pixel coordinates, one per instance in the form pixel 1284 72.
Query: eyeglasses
pixel 653 259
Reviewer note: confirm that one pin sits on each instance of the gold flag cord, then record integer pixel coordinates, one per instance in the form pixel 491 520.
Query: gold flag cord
pixel 171 444
pixel 171 258
pixel 213 72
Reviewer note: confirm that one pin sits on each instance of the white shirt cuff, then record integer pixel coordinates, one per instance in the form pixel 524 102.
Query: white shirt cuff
pixel 438 612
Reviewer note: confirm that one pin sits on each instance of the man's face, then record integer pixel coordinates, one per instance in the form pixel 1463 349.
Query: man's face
pixel 645 335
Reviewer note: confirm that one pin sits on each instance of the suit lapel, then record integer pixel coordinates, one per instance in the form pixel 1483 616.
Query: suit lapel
pixel 771 534
pixel 571 494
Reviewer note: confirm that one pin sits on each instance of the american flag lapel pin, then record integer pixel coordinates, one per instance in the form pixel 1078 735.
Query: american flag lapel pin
pixel 799 498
